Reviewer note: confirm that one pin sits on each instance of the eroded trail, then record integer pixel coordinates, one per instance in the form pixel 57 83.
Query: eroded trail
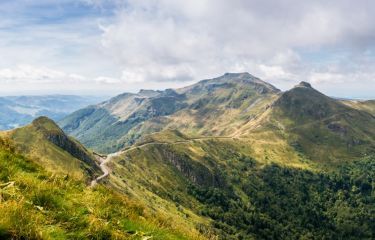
pixel 103 166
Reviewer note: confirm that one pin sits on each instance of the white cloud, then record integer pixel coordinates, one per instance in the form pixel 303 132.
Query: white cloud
pixel 37 75
pixel 274 72
pixel 326 77
pixel 154 72
pixel 165 40
pixel 107 80
pixel 132 44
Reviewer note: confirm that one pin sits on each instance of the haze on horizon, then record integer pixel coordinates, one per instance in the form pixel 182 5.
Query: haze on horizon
pixel 104 47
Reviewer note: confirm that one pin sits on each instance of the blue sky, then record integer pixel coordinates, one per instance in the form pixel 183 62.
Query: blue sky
pixel 107 47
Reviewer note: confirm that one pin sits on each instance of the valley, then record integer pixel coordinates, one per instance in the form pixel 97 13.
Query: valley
pixel 17 111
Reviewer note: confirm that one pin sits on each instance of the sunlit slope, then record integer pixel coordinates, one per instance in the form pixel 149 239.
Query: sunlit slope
pixel 368 106
pixel 233 105
pixel 217 107
pixel 244 187
pixel 301 120
pixel 321 128
pixel 250 182
pixel 39 204
pixel 45 143
pixel 211 107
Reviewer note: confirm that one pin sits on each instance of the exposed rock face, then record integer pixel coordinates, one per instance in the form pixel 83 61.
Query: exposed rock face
pixel 194 171
pixel 70 146
pixel 56 136
pixel 304 84
pixel 336 127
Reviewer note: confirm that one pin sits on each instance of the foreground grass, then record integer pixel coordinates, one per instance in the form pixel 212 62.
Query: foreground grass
pixel 35 204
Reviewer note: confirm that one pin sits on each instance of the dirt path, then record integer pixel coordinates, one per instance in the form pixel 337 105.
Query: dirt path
pixel 103 161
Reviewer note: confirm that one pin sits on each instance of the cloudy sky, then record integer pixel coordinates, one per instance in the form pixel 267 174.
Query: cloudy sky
pixel 106 47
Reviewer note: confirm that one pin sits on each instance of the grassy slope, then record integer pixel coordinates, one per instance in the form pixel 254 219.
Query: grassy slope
pixel 212 119
pixel 159 171
pixel 368 106
pixel 105 127
pixel 211 107
pixel 320 128
pixel 198 178
pixel 32 141
pixel 36 204
pixel 303 132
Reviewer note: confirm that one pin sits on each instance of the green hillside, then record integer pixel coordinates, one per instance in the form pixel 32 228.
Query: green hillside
pixel 226 158
pixel 368 106
pixel 300 167
pixel 45 143
pixel 211 107
pixel 246 197
pixel 320 127
pixel 37 203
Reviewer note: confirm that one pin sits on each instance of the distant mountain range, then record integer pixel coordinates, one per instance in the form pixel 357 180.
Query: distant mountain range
pixel 210 107
pixel 226 158
pixel 17 111
pixel 235 104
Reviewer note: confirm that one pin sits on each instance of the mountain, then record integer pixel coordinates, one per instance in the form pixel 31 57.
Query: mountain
pixel 321 128
pixel 45 143
pixel 17 111
pixel 227 158
pixel 45 193
pixel 215 107
pixel 368 106
pixel 248 190
pixel 235 158
pixel 235 104
pixel 279 176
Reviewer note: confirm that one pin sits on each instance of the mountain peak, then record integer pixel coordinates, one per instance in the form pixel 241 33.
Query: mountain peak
pixel 148 93
pixel 42 119
pixel 48 130
pixel 45 123
pixel 241 74
pixel 304 84
pixel 237 78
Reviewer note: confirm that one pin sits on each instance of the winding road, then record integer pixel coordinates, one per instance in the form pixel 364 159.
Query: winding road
pixel 103 160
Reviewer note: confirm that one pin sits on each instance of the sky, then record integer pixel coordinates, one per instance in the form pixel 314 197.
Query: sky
pixel 106 47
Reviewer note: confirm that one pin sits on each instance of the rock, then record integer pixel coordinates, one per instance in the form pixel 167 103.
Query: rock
pixel 336 127
pixel 304 84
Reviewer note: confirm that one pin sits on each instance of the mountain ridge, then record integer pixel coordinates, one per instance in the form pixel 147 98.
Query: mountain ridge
pixel 231 93
pixel 226 158
pixel 46 143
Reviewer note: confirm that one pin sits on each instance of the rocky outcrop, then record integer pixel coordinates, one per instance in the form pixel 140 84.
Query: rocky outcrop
pixel 337 127
pixel 304 84
pixel 65 143
pixel 56 136
pixel 303 101
pixel 194 171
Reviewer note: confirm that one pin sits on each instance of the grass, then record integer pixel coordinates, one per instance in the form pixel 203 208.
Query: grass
pixel 368 106
pixel 146 174
pixel 37 204
pixel 31 141
pixel 214 107
pixel 263 184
